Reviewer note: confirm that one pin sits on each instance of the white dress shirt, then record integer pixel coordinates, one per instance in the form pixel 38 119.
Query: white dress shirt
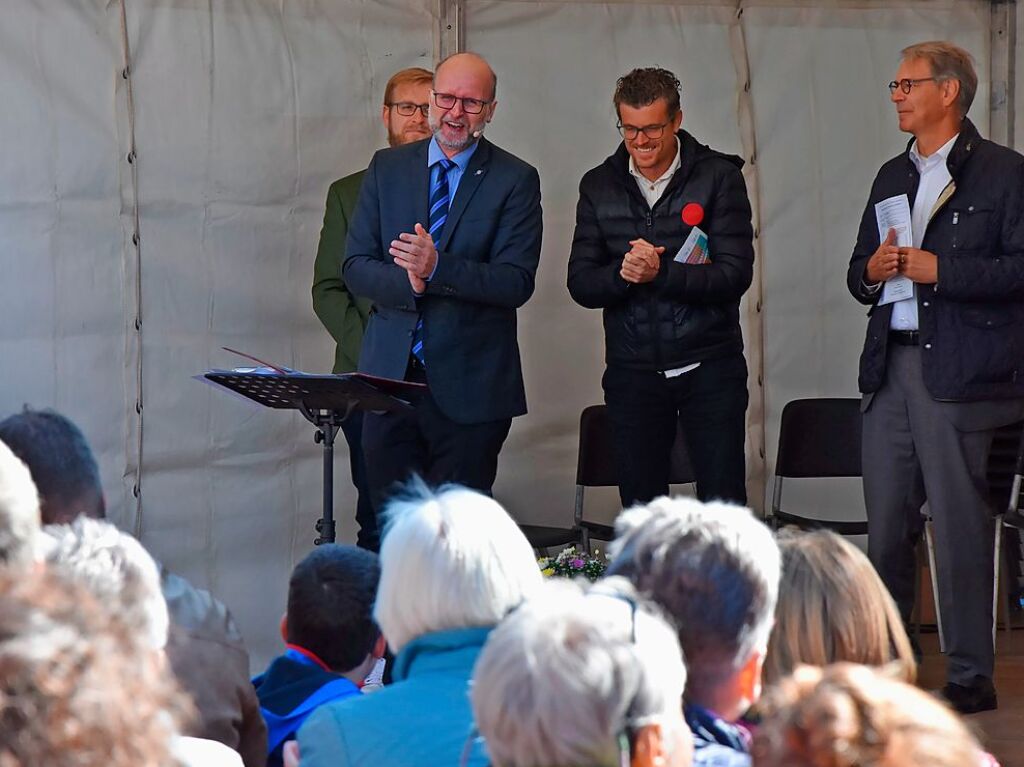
pixel 934 178
pixel 652 190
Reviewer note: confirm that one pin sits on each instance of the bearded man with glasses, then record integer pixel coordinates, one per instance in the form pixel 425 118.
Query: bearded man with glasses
pixel 943 361
pixel 404 115
pixel 664 247
pixel 445 242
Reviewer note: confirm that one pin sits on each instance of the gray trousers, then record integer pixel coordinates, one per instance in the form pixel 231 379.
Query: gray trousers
pixel 912 451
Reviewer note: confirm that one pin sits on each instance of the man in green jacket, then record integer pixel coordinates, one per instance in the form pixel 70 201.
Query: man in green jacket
pixel 404 114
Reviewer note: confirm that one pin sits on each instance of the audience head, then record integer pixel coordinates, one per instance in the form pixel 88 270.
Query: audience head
pixel 833 607
pixel 450 558
pixel 715 569
pixel 576 678
pixel 406 101
pixel 855 716
pixel 62 465
pixel 77 689
pixel 115 568
pixel 330 605
pixel 19 513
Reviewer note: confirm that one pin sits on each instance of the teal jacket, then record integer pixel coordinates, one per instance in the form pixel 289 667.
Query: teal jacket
pixel 423 719
pixel 341 313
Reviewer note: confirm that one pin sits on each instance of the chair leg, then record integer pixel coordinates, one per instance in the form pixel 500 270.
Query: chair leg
pixel 935 583
pixel 1007 625
pixel 997 561
pixel 916 612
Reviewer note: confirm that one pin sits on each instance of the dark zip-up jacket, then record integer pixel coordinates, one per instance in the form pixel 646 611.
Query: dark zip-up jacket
pixel 688 313
pixel 972 320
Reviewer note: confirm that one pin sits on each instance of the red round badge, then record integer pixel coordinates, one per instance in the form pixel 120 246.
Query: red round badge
pixel 693 214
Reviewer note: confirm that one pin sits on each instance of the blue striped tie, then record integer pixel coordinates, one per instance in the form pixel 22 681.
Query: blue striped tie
pixel 439 199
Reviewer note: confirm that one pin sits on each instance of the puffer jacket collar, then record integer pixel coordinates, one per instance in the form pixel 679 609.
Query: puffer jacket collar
pixel 691 152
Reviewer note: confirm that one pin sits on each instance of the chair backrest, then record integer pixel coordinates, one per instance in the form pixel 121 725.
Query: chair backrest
pixel 1005 460
pixel 595 464
pixel 819 438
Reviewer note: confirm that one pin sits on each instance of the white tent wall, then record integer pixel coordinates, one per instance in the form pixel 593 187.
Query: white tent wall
pixel 244 111
pixel 823 125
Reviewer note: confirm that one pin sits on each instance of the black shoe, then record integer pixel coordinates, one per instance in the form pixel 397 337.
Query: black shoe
pixel 980 696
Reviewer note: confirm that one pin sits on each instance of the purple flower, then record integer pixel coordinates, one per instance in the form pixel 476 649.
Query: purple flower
pixel 577 563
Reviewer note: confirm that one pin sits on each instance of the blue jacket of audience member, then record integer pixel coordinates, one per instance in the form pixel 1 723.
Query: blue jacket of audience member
pixel 423 718
pixel 292 687
pixel 716 742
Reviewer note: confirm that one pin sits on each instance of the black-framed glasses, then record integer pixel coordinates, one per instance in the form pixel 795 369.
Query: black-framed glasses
pixel 408 109
pixel 469 106
pixel 630 132
pixel 906 84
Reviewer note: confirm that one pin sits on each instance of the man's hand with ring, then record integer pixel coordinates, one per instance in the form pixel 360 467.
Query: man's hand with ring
pixel 919 265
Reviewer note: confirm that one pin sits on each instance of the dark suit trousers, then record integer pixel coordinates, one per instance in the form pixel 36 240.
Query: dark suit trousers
pixel 367 537
pixel 912 452
pixel 710 403
pixel 428 443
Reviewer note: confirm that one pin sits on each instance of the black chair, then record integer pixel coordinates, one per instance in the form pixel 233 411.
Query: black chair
pixel 818 438
pixel 1004 471
pixel 595 467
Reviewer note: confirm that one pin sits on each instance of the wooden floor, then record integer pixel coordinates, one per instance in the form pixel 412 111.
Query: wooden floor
pixel 1002 730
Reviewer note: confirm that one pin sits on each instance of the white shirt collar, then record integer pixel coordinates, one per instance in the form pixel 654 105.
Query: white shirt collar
pixel 664 176
pixel 940 155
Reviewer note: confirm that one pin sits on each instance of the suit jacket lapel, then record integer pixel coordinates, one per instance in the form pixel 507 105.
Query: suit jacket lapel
pixel 475 172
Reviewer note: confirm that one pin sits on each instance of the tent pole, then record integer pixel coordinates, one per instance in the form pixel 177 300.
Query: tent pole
pixel 450 34
pixel 753 319
pixel 133 272
pixel 1002 62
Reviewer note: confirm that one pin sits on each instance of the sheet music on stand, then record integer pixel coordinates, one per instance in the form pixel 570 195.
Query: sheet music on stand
pixel 325 400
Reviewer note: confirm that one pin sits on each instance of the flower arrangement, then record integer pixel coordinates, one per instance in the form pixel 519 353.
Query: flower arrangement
pixel 569 563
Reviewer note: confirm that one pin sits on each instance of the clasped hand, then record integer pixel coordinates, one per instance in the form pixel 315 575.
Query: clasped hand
pixel 890 259
pixel 415 252
pixel 642 262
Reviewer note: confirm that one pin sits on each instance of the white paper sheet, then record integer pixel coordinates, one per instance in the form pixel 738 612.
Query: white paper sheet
pixel 894 213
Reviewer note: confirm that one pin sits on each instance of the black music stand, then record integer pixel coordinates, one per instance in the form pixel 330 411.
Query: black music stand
pixel 325 401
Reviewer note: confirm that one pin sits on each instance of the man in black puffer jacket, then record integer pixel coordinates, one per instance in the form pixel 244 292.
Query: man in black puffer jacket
pixel 944 366
pixel 673 346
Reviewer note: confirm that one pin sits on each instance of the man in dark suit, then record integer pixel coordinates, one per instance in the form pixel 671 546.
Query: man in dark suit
pixel 445 241
pixel 943 362
pixel 404 114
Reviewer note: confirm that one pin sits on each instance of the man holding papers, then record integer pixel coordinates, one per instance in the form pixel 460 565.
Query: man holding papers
pixel 663 245
pixel 940 259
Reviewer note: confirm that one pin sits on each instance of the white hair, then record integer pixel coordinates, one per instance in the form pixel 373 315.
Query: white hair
pixel 449 559
pixel 116 569
pixel 20 538
pixel 714 568
pixel 564 678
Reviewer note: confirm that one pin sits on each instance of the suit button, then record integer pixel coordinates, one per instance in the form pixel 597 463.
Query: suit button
pixel 411 333
pixel 927 346
pixel 925 304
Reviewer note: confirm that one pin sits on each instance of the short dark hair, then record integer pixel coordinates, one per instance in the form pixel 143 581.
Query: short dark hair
pixel 330 604
pixel 645 86
pixel 60 460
